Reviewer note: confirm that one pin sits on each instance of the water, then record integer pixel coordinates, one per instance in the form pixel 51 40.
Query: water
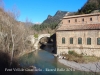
pixel 46 62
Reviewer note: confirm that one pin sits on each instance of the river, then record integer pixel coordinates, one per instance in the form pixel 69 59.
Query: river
pixel 47 64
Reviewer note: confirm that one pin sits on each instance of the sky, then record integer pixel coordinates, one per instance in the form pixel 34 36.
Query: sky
pixel 38 10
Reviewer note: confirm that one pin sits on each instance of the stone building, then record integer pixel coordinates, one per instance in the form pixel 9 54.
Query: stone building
pixel 80 33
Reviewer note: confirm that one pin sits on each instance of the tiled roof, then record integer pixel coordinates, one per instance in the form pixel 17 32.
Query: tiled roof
pixel 79 27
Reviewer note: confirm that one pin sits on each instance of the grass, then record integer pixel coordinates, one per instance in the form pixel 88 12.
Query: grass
pixel 79 58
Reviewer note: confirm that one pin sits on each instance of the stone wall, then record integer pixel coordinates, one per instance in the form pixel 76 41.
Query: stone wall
pixel 92 49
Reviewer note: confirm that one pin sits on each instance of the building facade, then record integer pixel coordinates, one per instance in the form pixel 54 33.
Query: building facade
pixel 80 33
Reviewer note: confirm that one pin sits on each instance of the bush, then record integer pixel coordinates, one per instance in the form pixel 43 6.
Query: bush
pixel 36 35
pixel 70 52
pixel 74 54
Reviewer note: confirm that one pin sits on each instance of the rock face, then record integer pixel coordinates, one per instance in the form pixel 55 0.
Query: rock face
pixel 56 18
pixel 49 16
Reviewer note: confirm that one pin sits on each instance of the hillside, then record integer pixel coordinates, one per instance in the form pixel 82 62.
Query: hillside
pixel 56 18
pixel 89 7
pixel 51 22
pixel 8 26
pixel 49 25
pixel 12 43
pixel 12 34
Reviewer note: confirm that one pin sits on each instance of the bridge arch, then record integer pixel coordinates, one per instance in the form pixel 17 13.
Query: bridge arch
pixel 40 36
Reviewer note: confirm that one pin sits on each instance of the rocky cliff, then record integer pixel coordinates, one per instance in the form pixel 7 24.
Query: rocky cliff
pixel 56 18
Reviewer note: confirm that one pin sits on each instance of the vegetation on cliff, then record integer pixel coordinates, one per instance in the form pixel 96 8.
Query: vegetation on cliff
pixel 50 23
pixel 89 6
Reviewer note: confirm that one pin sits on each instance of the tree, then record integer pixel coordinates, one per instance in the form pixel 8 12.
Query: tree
pixel 14 12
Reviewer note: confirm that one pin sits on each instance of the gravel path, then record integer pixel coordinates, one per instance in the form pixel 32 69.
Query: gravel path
pixel 94 67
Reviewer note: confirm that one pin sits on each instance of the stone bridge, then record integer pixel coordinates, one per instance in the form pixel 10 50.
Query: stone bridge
pixel 38 39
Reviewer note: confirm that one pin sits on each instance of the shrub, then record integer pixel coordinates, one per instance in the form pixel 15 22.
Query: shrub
pixel 74 54
pixel 36 35
pixel 70 52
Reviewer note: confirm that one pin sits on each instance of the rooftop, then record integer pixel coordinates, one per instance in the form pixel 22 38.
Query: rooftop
pixel 83 15
pixel 79 27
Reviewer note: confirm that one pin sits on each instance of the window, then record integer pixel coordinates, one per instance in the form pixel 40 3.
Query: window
pixel 83 19
pixel 75 20
pixel 90 19
pixel 79 40
pixel 71 40
pixel 88 41
pixel 63 40
pixel 68 21
pixel 98 41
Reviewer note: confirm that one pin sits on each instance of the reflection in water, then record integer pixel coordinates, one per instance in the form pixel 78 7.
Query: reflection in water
pixel 46 61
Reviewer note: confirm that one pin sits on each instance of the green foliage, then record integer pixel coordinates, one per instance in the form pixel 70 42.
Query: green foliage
pixel 44 26
pixel 51 22
pixel 52 25
pixel 71 52
pixel 36 35
pixel 36 27
pixel 74 54
pixel 90 6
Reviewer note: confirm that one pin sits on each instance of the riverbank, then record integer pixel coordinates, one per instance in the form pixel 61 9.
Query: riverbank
pixel 93 67
pixel 25 52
